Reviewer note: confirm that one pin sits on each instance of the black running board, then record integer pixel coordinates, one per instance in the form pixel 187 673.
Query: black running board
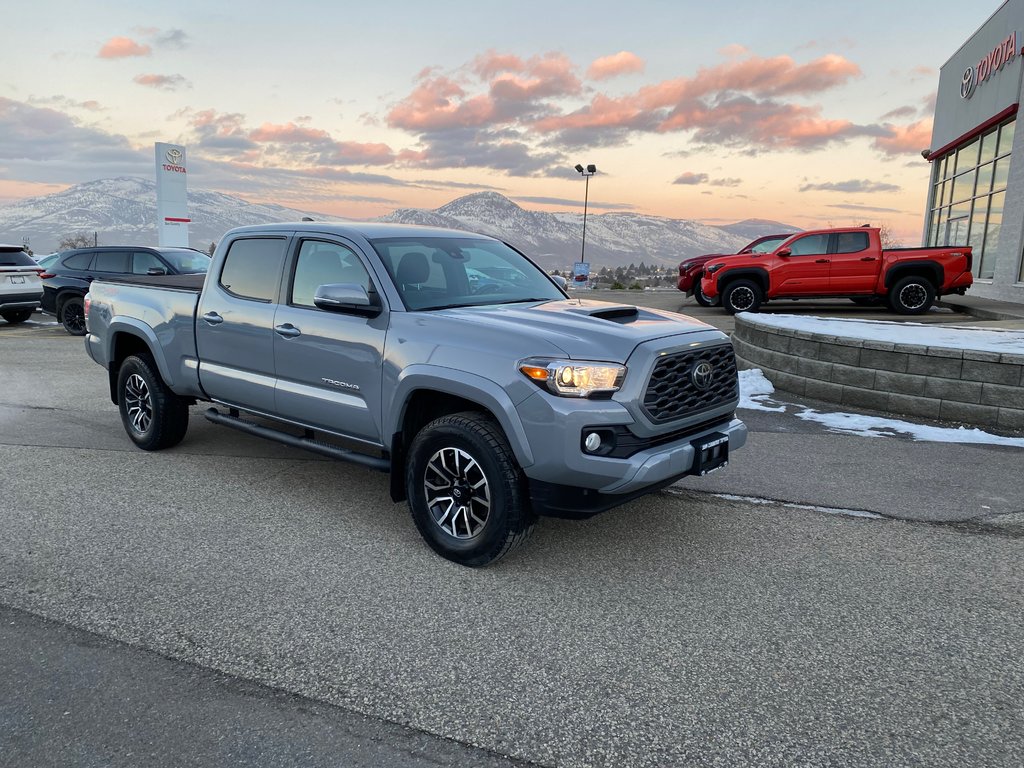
pixel 306 443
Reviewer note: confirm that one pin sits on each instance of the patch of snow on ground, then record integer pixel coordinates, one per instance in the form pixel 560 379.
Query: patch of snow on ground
pixel 945 336
pixel 755 391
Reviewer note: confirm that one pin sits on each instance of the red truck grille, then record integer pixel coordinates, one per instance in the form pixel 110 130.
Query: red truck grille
pixel 674 389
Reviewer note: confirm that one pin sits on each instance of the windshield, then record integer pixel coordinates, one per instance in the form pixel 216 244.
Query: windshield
pixel 186 261
pixel 769 245
pixel 441 272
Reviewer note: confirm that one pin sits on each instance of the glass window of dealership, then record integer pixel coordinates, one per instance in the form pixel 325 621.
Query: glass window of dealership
pixel 976 196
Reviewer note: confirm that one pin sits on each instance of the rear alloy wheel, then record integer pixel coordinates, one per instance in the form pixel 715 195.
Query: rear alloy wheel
pixel 153 416
pixel 742 296
pixel 912 295
pixel 466 490
pixel 15 316
pixel 72 316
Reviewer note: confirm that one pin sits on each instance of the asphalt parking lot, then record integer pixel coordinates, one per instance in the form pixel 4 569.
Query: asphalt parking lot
pixel 681 629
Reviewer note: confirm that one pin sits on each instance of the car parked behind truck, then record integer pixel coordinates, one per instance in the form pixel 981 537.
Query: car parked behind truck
pixel 691 269
pixel 839 263
pixel 369 343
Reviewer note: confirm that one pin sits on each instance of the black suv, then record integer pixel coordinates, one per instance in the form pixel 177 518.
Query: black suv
pixel 66 281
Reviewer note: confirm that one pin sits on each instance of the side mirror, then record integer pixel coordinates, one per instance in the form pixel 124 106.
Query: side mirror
pixel 351 298
pixel 560 281
pixel 156 271
pixel 784 253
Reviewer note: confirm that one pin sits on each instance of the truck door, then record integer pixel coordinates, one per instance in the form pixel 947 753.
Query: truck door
pixel 805 270
pixel 855 264
pixel 329 363
pixel 235 323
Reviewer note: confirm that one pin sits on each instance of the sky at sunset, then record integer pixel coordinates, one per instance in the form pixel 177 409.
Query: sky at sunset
pixel 801 112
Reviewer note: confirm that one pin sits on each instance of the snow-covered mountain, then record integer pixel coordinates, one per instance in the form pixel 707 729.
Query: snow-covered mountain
pixel 751 229
pixel 123 211
pixel 554 239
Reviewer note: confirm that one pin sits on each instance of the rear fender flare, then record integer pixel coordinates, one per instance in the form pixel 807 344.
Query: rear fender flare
pixel 132 327
pixel 902 268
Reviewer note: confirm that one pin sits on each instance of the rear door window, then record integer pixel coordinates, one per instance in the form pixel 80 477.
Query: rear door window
pixel 851 242
pixel 111 261
pixel 78 261
pixel 252 268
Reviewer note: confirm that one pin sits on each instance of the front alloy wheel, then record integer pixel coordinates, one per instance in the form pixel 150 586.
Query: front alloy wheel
pixel 457 493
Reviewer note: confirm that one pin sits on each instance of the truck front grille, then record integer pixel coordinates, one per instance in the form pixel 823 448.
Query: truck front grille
pixel 672 392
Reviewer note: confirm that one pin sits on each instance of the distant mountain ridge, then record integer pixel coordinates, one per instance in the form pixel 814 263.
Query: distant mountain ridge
pixel 554 239
pixel 123 211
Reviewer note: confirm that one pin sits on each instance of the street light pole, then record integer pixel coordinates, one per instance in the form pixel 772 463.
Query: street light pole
pixel 586 173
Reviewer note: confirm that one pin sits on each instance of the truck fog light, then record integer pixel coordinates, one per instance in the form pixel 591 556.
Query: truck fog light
pixel 592 442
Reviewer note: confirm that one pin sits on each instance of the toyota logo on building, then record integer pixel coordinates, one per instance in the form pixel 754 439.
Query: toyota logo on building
pixel 174 156
pixel 967 83
pixel 702 374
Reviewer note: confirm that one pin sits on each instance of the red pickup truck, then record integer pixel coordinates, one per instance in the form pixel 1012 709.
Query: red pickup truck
pixel 839 263
pixel 692 268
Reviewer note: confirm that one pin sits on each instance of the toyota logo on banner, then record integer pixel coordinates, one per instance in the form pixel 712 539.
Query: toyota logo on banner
pixel 174 156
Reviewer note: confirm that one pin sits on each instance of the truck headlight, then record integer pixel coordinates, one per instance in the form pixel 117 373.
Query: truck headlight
pixel 573 378
pixel 713 268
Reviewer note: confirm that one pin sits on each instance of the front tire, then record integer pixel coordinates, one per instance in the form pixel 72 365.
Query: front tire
pixel 15 316
pixel 742 296
pixel 72 315
pixel 153 416
pixel 466 490
pixel 702 299
pixel 911 295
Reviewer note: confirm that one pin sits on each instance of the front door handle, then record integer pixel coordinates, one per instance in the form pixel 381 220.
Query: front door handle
pixel 821 261
pixel 867 258
pixel 213 318
pixel 287 330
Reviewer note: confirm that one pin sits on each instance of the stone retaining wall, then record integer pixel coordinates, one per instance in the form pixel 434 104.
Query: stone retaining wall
pixel 961 385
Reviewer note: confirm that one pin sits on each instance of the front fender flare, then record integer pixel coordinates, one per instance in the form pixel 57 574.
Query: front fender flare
pixel 468 386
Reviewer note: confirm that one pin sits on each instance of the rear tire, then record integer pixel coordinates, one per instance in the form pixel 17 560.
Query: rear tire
pixel 466 491
pixel 15 316
pixel 911 295
pixel 742 296
pixel 154 417
pixel 72 315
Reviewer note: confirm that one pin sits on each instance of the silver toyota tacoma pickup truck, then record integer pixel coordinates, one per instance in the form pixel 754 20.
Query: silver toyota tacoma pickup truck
pixel 447 359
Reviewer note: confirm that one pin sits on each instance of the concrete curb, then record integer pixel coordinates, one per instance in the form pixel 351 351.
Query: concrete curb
pixel 960 385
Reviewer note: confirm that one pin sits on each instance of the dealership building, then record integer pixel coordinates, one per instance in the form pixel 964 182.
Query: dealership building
pixel 977 190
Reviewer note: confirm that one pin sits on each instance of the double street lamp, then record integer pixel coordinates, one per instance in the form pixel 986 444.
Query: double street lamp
pixel 586 173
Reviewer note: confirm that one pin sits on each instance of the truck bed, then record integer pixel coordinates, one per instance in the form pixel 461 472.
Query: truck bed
pixel 192 283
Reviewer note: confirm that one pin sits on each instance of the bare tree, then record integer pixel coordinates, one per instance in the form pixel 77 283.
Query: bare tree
pixel 212 248
pixel 889 240
pixel 78 240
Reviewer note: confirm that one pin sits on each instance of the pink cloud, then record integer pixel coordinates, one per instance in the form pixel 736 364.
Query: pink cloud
pixel 902 139
pixel 162 82
pixel 621 63
pixel 438 103
pixel 301 143
pixel 289 133
pixel 489 64
pixel 122 47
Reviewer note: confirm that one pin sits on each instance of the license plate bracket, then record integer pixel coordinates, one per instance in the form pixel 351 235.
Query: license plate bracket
pixel 710 453
pixel 17 279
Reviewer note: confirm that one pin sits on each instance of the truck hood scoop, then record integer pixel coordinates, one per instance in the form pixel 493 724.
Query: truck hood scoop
pixel 622 313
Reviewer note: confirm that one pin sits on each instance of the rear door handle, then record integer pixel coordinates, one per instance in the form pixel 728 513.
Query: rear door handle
pixel 287 330
pixel 821 261
pixel 213 318
pixel 867 258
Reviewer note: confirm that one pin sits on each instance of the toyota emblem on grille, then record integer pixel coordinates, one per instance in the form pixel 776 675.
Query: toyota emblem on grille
pixel 702 374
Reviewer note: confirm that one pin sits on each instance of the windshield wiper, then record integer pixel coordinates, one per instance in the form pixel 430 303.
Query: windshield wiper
pixel 520 301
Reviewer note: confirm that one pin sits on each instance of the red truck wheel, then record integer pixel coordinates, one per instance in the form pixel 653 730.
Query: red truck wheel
pixel 742 296
pixel 911 295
